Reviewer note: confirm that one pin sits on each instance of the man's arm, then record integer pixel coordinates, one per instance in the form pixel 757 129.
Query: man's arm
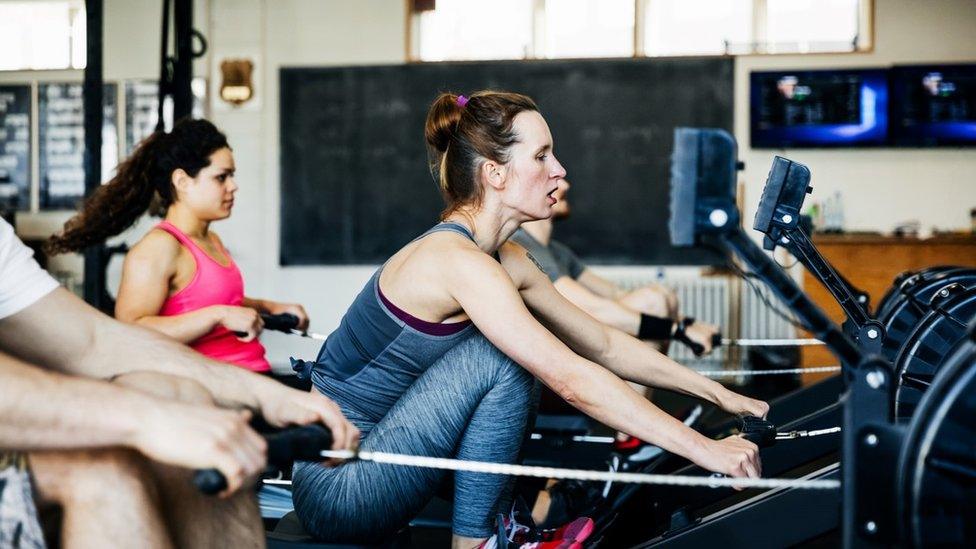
pixel 42 410
pixel 599 285
pixel 62 332
pixel 602 308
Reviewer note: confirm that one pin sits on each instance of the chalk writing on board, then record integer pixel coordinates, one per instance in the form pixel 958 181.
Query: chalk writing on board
pixel 15 147
pixel 62 142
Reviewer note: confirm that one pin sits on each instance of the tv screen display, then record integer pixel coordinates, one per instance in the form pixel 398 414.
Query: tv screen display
pixel 828 108
pixel 933 105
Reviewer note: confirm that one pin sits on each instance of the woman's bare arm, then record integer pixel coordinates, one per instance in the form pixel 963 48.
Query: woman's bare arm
pixel 488 295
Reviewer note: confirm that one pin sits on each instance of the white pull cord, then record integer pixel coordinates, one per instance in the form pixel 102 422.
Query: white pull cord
pixel 770 342
pixel 736 373
pixel 580 474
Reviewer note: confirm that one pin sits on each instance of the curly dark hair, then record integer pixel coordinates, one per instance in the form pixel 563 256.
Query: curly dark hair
pixel 143 183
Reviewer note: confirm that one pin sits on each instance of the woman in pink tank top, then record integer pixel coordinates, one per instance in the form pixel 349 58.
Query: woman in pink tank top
pixel 179 279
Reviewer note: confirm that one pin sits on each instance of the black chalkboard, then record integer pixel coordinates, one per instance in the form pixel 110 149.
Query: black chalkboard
pixel 15 146
pixel 61 131
pixel 354 179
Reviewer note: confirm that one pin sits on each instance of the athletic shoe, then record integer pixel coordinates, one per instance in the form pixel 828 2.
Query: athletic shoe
pixel 518 530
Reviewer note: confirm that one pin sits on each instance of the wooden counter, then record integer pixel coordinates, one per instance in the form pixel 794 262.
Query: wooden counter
pixel 871 262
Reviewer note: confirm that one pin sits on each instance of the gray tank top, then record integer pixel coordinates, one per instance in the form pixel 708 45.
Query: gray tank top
pixel 379 350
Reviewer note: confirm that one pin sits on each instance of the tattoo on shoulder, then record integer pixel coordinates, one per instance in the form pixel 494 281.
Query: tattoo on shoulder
pixel 536 261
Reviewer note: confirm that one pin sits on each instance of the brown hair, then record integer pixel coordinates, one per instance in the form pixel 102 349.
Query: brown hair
pixel 463 134
pixel 143 182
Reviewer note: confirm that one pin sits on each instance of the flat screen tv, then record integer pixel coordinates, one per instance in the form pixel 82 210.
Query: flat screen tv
pixel 933 105
pixel 825 108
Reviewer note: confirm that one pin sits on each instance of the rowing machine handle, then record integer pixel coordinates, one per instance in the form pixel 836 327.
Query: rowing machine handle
pixel 285 322
pixel 680 334
pixel 758 431
pixel 284 448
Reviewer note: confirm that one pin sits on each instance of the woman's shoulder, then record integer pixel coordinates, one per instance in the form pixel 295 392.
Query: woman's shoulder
pixel 157 247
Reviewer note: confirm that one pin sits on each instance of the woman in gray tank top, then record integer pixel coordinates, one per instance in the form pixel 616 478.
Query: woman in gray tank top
pixel 437 354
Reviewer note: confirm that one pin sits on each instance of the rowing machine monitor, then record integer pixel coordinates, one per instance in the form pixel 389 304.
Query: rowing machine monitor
pixel 786 185
pixel 703 168
pixel 779 219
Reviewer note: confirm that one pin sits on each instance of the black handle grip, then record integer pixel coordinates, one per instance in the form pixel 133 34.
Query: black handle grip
pixel 760 432
pixel 285 322
pixel 209 481
pixel 284 448
pixel 680 334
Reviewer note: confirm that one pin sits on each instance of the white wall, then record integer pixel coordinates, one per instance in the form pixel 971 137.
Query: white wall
pixel 880 187
pixel 294 33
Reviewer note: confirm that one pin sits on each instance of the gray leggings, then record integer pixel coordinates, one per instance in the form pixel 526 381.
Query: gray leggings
pixel 473 404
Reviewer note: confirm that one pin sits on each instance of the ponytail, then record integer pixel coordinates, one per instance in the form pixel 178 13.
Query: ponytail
pixel 462 132
pixel 142 183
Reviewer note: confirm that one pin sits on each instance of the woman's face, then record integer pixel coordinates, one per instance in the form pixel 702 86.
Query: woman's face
pixel 561 209
pixel 533 171
pixel 210 195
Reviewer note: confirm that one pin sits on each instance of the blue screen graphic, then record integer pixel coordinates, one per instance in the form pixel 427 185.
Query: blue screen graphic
pixel 933 105
pixel 835 108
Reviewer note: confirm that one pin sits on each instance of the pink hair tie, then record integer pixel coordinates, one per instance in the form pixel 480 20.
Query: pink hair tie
pixel 462 101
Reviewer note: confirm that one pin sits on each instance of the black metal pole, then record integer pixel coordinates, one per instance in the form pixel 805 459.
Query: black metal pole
pixel 807 311
pixel 165 78
pixel 804 250
pixel 183 69
pixel 93 91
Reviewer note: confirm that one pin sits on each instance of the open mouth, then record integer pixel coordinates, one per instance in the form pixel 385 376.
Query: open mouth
pixel 552 199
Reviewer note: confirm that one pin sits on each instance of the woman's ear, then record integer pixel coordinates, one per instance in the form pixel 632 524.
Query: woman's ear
pixel 180 179
pixel 494 174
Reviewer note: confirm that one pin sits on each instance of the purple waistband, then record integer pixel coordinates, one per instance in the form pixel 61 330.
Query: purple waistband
pixel 422 326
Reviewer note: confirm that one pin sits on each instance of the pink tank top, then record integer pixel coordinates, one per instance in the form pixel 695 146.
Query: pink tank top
pixel 214 284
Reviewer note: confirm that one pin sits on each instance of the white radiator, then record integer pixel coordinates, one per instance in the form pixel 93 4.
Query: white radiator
pixel 712 299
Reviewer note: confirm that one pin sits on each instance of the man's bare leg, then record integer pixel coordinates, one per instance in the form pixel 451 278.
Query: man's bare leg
pixel 196 520
pixel 107 497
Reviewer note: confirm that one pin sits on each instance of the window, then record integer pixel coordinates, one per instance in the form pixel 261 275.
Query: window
pixel 800 26
pixel 36 35
pixel 551 29
pixel 476 29
pixel 589 28
pixel 696 27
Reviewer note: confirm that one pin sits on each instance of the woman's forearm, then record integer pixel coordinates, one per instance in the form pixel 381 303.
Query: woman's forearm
pixel 259 305
pixel 606 398
pixel 636 361
pixel 186 327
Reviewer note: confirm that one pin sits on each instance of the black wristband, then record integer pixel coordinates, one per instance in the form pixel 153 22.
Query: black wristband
pixel 653 327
